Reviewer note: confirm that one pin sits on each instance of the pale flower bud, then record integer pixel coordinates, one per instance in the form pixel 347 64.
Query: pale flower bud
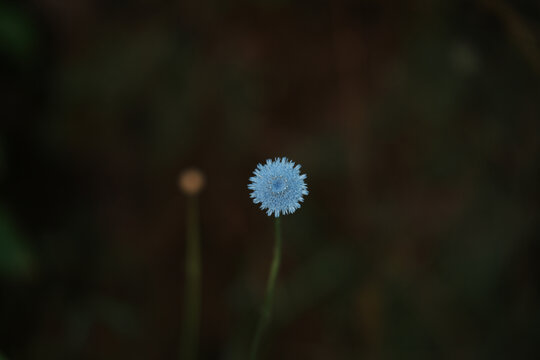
pixel 191 181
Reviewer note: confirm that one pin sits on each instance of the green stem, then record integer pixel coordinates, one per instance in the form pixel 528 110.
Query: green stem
pixel 192 297
pixel 266 313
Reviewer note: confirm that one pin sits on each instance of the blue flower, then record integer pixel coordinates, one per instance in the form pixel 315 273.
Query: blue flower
pixel 278 186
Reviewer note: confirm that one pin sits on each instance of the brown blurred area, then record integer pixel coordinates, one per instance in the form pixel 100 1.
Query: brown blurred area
pixel 416 122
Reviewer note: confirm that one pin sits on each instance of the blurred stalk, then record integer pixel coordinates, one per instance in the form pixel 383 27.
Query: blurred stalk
pixel 266 313
pixel 521 33
pixel 192 297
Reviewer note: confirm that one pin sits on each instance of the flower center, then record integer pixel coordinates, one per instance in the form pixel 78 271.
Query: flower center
pixel 278 185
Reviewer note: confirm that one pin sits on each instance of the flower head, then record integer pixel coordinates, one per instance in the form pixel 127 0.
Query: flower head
pixel 278 186
pixel 191 181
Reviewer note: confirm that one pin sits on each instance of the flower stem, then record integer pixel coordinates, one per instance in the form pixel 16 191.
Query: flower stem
pixel 266 313
pixel 192 301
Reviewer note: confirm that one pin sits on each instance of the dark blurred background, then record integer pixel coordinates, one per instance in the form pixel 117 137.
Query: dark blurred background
pixel 417 123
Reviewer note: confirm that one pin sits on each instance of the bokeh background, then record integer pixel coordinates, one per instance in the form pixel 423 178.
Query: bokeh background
pixel 417 123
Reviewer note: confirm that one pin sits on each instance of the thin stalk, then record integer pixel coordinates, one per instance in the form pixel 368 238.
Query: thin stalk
pixel 266 312
pixel 192 297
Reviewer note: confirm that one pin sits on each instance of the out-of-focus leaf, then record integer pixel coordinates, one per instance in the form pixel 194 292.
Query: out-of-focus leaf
pixel 328 271
pixel 15 257
pixel 17 35
pixel 119 316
